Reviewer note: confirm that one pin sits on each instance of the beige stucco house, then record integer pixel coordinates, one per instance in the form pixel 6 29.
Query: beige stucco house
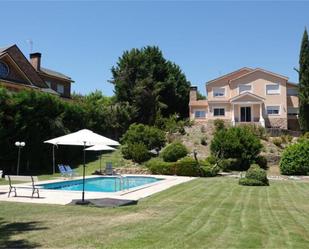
pixel 248 96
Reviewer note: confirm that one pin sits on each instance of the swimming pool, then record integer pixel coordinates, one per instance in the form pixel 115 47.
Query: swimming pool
pixel 101 184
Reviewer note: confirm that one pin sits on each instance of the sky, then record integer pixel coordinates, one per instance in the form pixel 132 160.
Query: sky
pixel 84 39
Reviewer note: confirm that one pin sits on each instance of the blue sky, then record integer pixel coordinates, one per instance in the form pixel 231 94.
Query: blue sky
pixel 206 39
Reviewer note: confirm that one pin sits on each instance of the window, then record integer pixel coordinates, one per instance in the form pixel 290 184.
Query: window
pixel 48 83
pixel 244 88
pixel 219 92
pixel 292 92
pixel 293 111
pixel 219 111
pixel 272 89
pixel 273 110
pixel 60 88
pixel 200 114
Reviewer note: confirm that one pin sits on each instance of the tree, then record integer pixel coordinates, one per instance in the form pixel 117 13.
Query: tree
pixel 236 142
pixel 150 83
pixel 304 83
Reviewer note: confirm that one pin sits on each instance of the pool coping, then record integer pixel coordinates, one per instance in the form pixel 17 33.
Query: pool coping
pixel 63 197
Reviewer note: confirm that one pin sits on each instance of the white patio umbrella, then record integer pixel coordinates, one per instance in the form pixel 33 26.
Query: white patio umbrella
pixel 82 138
pixel 100 147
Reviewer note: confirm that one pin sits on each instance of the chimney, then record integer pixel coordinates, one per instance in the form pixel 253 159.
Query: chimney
pixel 193 93
pixel 35 60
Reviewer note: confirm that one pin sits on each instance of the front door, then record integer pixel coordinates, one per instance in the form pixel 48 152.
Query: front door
pixel 245 114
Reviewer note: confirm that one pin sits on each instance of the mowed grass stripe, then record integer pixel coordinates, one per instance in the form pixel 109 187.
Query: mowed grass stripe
pixel 215 220
pixel 203 213
pixel 299 231
pixel 157 233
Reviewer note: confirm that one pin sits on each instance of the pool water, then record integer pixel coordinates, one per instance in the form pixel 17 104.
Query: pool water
pixel 102 184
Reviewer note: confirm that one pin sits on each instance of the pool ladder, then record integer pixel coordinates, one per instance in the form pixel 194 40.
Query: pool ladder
pixel 121 183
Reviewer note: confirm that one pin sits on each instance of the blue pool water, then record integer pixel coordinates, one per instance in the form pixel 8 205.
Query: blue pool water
pixel 102 184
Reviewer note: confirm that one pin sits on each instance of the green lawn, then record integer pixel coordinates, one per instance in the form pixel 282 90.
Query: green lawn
pixel 204 213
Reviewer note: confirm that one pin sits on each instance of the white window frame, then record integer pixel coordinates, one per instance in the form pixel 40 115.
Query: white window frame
pixel 293 113
pixel 248 91
pixel 274 93
pixel 200 110
pixel 273 114
pixel 217 88
pixel 61 87
pixel 219 107
pixel 292 94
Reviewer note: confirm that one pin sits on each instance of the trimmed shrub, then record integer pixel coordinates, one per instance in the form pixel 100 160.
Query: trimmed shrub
pixel 207 169
pixel 255 176
pixel 295 159
pixel 159 167
pixel 261 161
pixel 187 166
pixel 250 182
pixel 219 124
pixel 174 151
pixel 138 152
pixel 236 142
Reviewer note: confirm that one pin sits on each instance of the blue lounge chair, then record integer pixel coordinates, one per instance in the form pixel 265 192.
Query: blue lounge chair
pixel 62 170
pixel 70 171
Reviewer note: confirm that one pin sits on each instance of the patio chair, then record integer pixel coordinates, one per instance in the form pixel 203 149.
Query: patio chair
pixel 62 170
pixel 109 169
pixel 70 171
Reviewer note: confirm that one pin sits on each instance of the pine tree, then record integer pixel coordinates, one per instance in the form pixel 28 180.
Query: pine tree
pixel 304 83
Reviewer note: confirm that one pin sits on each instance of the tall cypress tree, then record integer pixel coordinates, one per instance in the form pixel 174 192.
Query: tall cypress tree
pixel 304 83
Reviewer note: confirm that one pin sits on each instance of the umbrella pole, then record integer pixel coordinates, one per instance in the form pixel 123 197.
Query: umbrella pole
pixel 83 197
pixel 83 202
pixel 100 164
pixel 54 159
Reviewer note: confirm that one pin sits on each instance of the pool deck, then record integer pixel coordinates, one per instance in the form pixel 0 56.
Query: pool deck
pixel 63 197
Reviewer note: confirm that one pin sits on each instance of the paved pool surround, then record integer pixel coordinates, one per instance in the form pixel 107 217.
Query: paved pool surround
pixel 63 197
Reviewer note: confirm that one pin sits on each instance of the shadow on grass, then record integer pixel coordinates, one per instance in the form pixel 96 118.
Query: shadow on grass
pixel 8 230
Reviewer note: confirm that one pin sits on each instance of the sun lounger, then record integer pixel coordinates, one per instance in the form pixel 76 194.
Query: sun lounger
pixel 62 170
pixel 109 169
pixel 70 171
pixel 25 179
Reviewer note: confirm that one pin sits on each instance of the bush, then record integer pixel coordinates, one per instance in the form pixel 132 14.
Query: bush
pixel 174 151
pixel 138 152
pixel 295 159
pixel 286 138
pixel 187 166
pixel 159 167
pixel 219 124
pixel 277 141
pixel 261 161
pixel 229 164
pixel 151 137
pixel 204 141
pixel 257 130
pixel 207 169
pixel 255 176
pixel 250 182
pixel 125 152
pixel 236 142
